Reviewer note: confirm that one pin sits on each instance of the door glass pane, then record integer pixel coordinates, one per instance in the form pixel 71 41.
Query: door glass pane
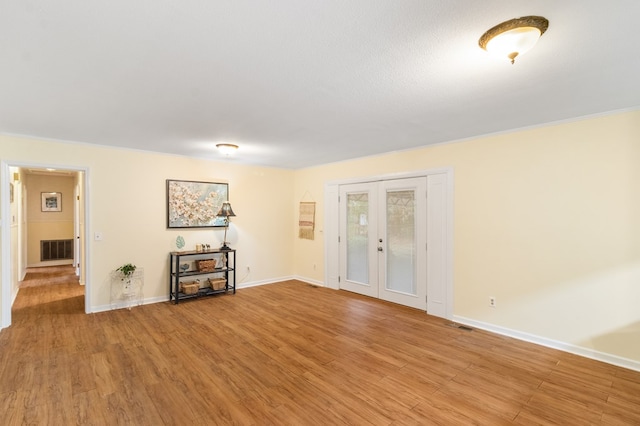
pixel 358 237
pixel 401 241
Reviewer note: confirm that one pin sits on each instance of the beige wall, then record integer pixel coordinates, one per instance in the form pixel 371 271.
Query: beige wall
pixel 128 206
pixel 545 220
pixel 47 225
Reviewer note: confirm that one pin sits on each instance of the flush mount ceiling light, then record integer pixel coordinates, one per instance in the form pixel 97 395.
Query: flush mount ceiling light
pixel 227 148
pixel 514 37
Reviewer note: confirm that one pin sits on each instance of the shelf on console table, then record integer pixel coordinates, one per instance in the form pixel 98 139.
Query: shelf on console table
pixel 176 258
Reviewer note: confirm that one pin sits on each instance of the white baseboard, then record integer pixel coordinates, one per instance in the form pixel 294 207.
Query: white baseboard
pixel 119 305
pixel 550 343
pixel 15 295
pixel 248 284
pixel 61 262
pixel 277 280
pixel 160 299
pixel 309 281
pixel 239 286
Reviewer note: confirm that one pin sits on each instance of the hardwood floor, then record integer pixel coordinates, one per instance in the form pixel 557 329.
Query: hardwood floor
pixel 287 353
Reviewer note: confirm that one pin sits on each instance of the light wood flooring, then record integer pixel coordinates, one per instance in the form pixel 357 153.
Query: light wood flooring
pixel 286 354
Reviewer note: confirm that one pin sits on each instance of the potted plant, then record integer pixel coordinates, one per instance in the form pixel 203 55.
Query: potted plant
pixel 126 285
pixel 126 270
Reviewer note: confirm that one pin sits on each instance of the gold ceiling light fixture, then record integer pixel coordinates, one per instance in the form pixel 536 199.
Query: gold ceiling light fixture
pixel 514 37
pixel 227 148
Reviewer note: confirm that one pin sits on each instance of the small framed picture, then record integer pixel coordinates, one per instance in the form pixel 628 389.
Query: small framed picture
pixel 51 201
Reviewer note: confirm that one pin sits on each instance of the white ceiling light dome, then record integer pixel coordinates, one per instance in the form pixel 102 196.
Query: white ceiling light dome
pixel 514 37
pixel 227 149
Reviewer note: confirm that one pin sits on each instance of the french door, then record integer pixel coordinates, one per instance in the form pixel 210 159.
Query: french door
pixel 383 240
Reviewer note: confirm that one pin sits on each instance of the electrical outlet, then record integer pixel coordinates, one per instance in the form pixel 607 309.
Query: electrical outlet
pixel 492 302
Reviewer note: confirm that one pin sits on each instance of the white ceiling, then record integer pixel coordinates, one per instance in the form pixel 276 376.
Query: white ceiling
pixel 297 83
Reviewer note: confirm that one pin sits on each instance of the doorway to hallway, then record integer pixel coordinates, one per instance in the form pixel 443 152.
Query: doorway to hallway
pixel 15 238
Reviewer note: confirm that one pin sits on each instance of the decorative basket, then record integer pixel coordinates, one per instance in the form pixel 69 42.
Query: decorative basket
pixel 217 283
pixel 190 287
pixel 206 265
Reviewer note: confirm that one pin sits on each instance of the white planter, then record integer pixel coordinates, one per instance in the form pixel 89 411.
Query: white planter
pixel 126 291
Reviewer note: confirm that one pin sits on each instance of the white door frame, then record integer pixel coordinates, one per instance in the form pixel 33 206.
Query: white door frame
pixel 332 220
pixel 5 213
pixel 76 228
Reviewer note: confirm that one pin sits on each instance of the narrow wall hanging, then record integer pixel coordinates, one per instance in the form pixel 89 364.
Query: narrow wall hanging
pixel 307 219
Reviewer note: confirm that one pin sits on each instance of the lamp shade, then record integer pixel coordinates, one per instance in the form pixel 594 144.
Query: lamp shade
pixel 226 210
pixel 514 37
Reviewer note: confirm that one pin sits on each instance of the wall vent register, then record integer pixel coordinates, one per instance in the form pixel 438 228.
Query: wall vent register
pixel 56 249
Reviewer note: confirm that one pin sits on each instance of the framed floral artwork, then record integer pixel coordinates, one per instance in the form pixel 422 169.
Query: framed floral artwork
pixel 192 204
pixel 51 201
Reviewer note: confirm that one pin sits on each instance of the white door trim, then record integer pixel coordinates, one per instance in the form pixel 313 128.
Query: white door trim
pixel 5 285
pixel 332 220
